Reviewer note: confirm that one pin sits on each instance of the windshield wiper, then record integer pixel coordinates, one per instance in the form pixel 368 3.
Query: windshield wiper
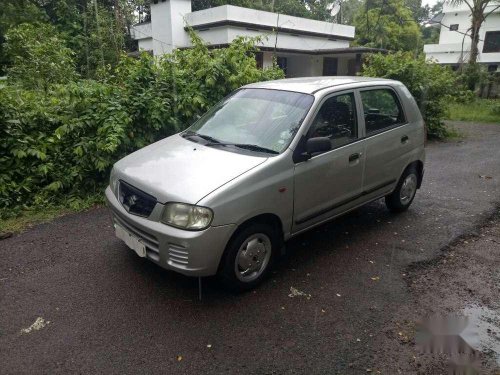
pixel 256 148
pixel 191 133
pixel 245 146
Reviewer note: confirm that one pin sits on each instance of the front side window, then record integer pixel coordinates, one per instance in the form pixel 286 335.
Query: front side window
pixel 265 119
pixel 491 42
pixel 382 110
pixel 336 120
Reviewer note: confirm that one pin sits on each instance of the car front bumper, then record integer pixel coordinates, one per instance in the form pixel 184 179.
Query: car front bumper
pixel 192 253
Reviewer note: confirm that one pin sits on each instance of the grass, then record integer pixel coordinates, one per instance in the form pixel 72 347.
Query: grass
pixel 479 110
pixel 20 220
pixel 28 218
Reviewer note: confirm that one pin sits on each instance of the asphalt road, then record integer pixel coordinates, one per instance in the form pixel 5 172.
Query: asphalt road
pixel 101 309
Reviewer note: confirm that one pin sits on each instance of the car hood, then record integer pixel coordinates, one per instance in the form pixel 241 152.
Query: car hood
pixel 179 170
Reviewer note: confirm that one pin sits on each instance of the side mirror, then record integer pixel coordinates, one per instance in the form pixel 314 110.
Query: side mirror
pixel 318 144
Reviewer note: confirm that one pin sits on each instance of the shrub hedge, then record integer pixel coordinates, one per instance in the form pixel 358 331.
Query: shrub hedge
pixel 60 142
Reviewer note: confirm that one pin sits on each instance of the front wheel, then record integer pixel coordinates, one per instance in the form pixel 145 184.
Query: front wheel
pixel 402 197
pixel 248 257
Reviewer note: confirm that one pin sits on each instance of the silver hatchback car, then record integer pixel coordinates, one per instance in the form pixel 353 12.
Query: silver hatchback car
pixel 270 161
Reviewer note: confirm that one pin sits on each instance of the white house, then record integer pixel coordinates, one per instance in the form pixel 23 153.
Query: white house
pixel 303 47
pixel 454 46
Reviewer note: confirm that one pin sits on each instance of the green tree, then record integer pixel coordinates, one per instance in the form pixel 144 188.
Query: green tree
pixel 386 24
pixel 14 13
pixel 348 10
pixel 39 57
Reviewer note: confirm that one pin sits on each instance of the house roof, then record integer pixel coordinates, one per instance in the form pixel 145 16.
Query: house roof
pixel 233 16
pixel 311 85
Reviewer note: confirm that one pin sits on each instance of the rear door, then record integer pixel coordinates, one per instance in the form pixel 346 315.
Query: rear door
pixel 388 139
pixel 330 182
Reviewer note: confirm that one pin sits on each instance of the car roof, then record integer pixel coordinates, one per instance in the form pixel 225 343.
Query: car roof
pixel 310 85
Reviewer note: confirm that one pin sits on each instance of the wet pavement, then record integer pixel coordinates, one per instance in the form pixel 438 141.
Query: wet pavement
pixel 345 299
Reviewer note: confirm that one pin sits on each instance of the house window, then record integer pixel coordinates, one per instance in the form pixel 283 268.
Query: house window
pixel 491 42
pixel 330 66
pixel 454 27
pixel 492 68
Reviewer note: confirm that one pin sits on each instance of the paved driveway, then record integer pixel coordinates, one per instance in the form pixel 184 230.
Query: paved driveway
pixel 104 310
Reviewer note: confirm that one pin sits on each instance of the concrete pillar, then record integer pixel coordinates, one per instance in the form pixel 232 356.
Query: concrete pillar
pixel 167 25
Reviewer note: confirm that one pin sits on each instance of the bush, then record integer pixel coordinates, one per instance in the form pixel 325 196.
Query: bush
pixel 39 56
pixel 432 85
pixel 60 142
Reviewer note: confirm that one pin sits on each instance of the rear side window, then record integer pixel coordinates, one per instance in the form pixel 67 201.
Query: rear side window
pixel 382 110
pixel 336 120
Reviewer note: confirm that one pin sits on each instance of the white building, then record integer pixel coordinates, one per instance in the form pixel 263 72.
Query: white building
pixel 454 47
pixel 303 47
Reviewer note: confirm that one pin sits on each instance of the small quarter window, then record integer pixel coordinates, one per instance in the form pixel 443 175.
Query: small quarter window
pixel 382 110
pixel 336 120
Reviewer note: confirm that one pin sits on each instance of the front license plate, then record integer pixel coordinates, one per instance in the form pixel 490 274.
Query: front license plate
pixel 131 241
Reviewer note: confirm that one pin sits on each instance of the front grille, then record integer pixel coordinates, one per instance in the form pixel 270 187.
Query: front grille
pixel 135 201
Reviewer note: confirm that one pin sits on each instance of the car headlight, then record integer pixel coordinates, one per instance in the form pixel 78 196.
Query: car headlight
pixel 187 216
pixel 113 182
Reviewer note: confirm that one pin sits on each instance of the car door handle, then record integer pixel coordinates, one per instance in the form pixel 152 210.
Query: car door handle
pixel 354 157
pixel 404 139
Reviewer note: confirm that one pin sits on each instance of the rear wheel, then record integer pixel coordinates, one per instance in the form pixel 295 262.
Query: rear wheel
pixel 402 197
pixel 248 257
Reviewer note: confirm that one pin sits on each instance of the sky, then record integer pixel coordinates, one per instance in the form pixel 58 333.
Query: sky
pixel 429 2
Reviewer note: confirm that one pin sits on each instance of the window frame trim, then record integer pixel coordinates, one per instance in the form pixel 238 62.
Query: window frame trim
pixel 401 107
pixel 320 105
pixel 300 148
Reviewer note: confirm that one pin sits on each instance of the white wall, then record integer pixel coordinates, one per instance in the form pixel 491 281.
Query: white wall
pixel 146 44
pixel 448 51
pixel 285 41
pixel 141 31
pixel 167 25
pixel 303 65
pixel 267 60
pixel 169 17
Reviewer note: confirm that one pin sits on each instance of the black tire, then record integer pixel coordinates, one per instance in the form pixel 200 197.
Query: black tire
pixel 227 273
pixel 394 201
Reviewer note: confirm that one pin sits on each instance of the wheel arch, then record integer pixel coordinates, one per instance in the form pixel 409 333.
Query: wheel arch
pixel 267 218
pixel 419 166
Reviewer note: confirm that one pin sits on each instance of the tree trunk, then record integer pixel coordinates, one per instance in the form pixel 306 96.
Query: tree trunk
pixel 476 26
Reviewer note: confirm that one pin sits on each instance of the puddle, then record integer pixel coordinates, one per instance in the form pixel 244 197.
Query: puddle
pixel 483 330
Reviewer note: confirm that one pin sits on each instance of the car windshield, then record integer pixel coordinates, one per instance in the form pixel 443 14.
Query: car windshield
pixel 254 119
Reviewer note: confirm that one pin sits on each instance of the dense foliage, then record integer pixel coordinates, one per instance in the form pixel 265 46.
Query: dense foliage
pixel 62 141
pixel 387 24
pixel 97 31
pixel 432 85
pixel 39 56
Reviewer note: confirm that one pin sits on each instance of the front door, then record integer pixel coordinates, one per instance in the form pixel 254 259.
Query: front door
pixel 330 183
